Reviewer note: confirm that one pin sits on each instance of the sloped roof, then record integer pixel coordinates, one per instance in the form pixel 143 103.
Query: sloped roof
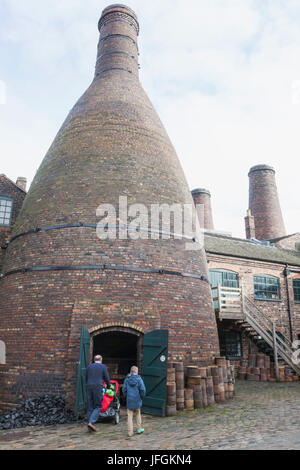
pixel 3 176
pixel 237 247
pixel 285 237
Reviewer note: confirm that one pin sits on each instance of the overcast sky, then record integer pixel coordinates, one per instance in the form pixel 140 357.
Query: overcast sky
pixel 224 76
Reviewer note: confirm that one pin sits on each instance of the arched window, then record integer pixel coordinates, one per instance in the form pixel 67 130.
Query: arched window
pixel 224 278
pixel 266 287
pixel 296 286
pixel 2 353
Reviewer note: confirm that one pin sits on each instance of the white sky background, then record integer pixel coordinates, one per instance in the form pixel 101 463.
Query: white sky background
pixel 220 74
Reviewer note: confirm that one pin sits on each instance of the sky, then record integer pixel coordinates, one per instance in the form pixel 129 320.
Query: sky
pixel 224 76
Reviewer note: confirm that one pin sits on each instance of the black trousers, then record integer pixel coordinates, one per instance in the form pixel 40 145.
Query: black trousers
pixel 94 402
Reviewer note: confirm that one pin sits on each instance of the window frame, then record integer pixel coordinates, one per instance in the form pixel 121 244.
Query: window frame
pixel 267 299
pixel 222 271
pixel 5 198
pixel 225 333
pixel 294 280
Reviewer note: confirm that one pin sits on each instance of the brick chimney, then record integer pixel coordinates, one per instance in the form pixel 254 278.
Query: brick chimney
pixel 264 203
pixel 22 183
pixel 250 225
pixel 202 197
pixel 118 47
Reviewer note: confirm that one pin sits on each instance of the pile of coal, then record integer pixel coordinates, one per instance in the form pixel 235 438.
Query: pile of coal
pixel 41 411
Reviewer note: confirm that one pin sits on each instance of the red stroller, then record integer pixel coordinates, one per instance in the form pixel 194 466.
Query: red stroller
pixel 111 405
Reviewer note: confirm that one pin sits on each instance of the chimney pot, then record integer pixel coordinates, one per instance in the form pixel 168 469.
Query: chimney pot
pixel 250 225
pixel 22 183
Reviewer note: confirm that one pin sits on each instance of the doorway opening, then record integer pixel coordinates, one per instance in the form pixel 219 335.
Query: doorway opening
pixel 121 349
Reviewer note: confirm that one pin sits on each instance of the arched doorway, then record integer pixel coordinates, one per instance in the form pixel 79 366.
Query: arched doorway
pixel 120 347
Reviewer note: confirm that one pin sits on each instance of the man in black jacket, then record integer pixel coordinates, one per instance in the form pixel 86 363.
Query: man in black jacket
pixel 96 375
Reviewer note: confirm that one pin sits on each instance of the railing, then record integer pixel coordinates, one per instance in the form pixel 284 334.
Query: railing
pixel 266 328
pixel 228 302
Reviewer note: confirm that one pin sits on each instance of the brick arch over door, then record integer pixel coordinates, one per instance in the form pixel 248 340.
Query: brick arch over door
pixel 126 327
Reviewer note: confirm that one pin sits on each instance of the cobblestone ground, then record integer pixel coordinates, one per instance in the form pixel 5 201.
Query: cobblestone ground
pixel 261 416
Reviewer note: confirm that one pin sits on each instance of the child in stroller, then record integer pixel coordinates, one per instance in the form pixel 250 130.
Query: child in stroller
pixel 111 404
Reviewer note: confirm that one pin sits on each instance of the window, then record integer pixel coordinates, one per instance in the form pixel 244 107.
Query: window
pixel 231 344
pixel 224 278
pixel 6 206
pixel 266 288
pixel 296 285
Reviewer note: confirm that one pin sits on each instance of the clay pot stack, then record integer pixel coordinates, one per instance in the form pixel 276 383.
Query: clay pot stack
pixel 258 368
pixel 179 376
pixel 195 386
pixel 242 370
pixel 210 391
pixel 189 399
pixel 171 393
pixel 216 383
pixel 223 385
pixel 223 377
pixel 194 383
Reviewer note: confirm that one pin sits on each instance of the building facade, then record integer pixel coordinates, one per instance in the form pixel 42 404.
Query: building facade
pixel 58 276
pixel 269 276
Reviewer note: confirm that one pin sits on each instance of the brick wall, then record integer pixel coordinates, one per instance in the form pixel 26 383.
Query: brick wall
pixel 47 310
pixel 10 190
pixel 276 310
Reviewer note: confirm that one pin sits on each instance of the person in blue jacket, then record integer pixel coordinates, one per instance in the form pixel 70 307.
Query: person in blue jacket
pixel 134 390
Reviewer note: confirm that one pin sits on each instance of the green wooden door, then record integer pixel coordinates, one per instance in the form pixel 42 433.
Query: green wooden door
pixel 155 370
pixel 80 404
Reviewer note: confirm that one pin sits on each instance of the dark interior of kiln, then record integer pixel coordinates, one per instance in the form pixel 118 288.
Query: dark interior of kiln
pixel 120 351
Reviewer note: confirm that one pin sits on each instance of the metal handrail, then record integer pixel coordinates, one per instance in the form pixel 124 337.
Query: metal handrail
pixel 263 318
pixel 265 327
pixel 232 300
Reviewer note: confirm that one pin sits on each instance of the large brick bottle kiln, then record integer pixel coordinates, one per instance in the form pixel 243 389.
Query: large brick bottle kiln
pixel 58 275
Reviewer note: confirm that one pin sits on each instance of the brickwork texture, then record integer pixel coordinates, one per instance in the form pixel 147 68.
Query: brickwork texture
pixel 112 144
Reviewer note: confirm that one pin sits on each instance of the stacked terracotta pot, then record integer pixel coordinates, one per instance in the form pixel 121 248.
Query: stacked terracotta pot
pixel 195 387
pixel 193 382
pixel 258 368
pixel 171 393
pixel 179 374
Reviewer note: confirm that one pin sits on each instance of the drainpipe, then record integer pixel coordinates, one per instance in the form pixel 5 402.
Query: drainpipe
pixel 287 272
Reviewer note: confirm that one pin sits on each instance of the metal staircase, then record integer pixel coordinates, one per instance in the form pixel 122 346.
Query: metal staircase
pixel 232 304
